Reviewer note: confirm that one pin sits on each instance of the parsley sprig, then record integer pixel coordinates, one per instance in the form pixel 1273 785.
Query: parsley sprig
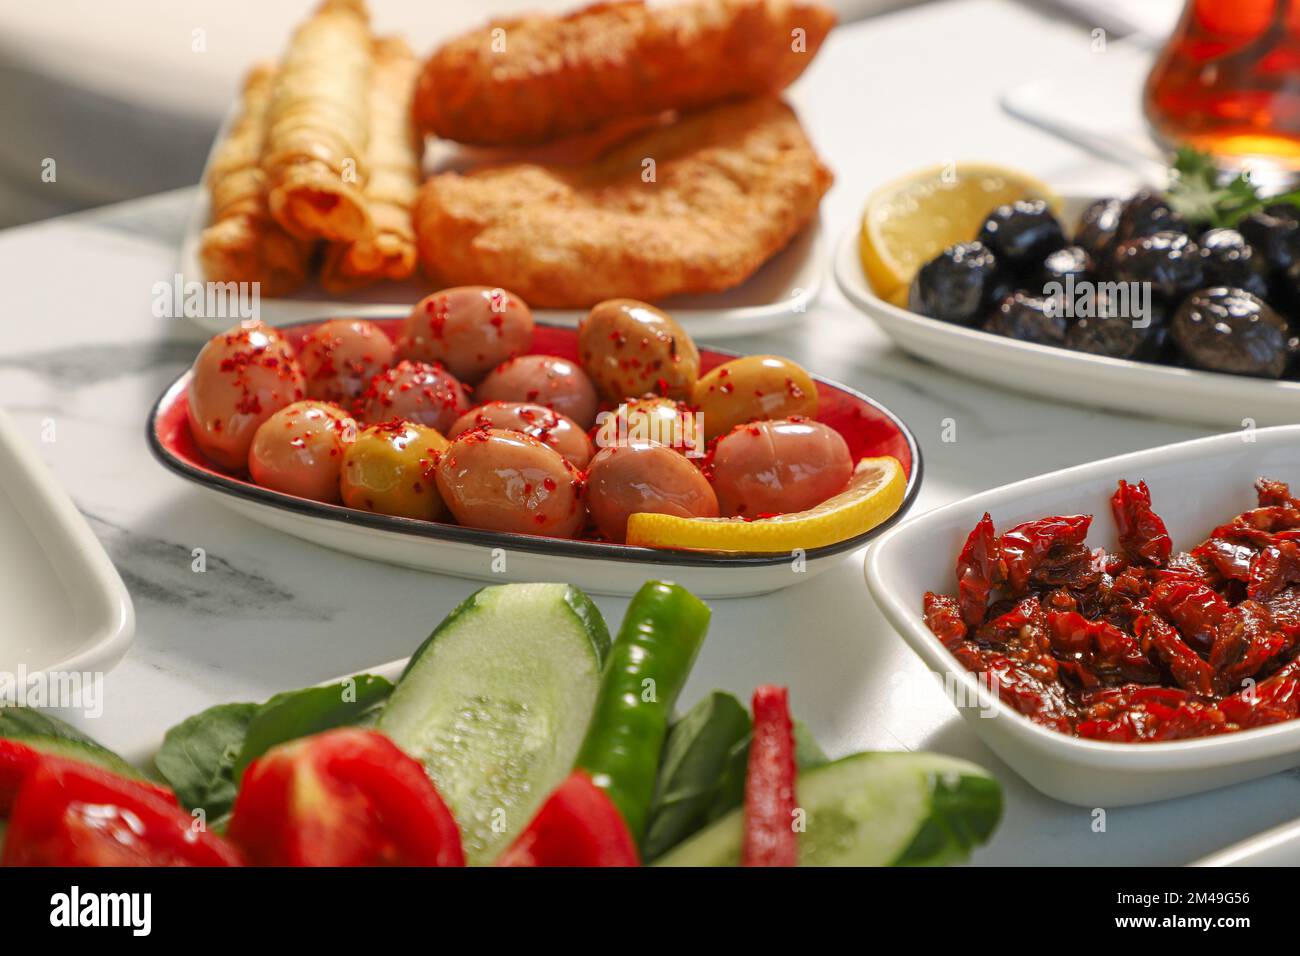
pixel 1200 194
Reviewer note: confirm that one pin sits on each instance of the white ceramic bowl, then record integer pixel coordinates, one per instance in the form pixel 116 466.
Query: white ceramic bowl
pixel 63 606
pixel 1195 486
pixel 1063 375
pixel 1279 846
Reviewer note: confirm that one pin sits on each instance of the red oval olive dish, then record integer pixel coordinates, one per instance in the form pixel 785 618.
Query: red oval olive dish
pixel 869 428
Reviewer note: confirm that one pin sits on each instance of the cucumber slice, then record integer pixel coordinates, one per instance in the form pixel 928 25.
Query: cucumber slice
pixel 83 750
pixel 872 809
pixel 496 702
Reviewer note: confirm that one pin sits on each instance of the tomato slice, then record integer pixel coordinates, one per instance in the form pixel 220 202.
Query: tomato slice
pixel 68 813
pixel 347 797
pixel 578 825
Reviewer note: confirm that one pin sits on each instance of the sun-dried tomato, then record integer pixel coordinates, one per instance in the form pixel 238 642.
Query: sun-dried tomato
pixel 1143 644
pixel 1142 533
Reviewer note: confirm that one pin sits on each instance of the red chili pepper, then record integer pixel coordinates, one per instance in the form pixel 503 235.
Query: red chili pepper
pixel 578 825
pixel 72 814
pixel 1142 533
pixel 770 838
pixel 346 797
pixel 978 571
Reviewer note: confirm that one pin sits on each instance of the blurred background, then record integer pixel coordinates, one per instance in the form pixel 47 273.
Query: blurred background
pixel 127 96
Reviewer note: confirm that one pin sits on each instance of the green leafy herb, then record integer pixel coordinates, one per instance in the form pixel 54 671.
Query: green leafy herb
pixel 695 756
pixel 1200 194
pixel 299 713
pixel 198 756
pixel 204 756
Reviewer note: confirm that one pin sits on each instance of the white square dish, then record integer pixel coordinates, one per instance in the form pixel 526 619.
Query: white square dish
pixel 1195 486
pixel 63 606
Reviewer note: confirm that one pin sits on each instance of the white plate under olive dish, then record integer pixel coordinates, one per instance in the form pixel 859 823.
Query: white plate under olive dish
pixel 869 429
pixel 1064 375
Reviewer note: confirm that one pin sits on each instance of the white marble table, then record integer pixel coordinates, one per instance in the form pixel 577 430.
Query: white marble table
pixel 78 344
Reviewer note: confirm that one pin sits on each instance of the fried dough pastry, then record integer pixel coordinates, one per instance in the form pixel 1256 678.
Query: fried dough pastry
pixel 387 251
pixel 243 243
pixel 536 78
pixel 696 206
pixel 317 126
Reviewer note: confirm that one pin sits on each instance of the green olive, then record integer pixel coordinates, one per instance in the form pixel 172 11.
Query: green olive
pixel 630 349
pixel 390 469
pixel 753 388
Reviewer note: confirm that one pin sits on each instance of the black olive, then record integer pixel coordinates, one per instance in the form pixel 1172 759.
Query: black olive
pixel 1068 267
pixel 1284 292
pixel 957 285
pixel 1111 327
pixel 1102 335
pixel 1228 259
pixel 1169 261
pixel 1021 234
pixel 1145 214
pixel 1029 318
pixel 1274 233
pixel 1097 227
pixel 1221 329
pixel 1158 346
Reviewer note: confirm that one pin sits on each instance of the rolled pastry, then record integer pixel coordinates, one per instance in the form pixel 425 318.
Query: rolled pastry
pixel 317 126
pixel 388 250
pixel 243 243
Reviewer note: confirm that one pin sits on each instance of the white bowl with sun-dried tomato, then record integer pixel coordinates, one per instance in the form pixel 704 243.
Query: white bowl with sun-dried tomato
pixel 1195 487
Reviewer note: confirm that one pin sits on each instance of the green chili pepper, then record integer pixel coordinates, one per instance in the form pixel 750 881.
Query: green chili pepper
pixel 647 666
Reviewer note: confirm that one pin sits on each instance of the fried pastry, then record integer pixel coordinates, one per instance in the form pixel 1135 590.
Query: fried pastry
pixel 693 207
pixel 535 78
pixel 243 243
pixel 387 251
pixel 317 126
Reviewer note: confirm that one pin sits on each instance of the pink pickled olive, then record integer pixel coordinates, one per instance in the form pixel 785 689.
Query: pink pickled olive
pixel 414 392
pixel 299 450
pixel 559 431
pixel 543 380
pixel 469 329
pixel 507 481
pixel 768 468
pixel 241 378
pixel 644 477
pixel 341 356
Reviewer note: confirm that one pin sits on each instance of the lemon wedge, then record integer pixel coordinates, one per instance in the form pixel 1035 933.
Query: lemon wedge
pixel 874 493
pixel 911 220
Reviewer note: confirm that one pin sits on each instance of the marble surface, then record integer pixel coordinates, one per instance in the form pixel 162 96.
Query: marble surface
pixel 79 345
